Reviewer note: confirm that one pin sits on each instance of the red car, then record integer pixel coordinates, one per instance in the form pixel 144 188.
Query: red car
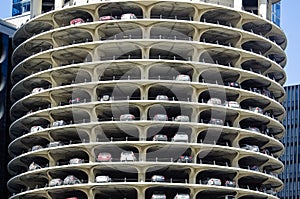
pixel 104 157
pixel 76 21
pixel 106 18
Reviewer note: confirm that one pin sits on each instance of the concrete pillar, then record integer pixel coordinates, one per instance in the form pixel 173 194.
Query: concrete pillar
pixel 262 8
pixel 238 4
pixel 58 4
pixel 35 8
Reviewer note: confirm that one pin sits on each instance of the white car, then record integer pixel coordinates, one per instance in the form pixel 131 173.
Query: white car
pixel 127 117
pixel 76 161
pixel 55 182
pixel 183 78
pixel 36 128
pixel 58 123
pixel 37 90
pixel 102 179
pixel 34 166
pixel 232 104
pixel 250 147
pixel 182 118
pixel 182 196
pixel 55 144
pixel 127 156
pixel 162 97
pixel 158 196
pixel 213 181
pixel 214 101
pixel 128 16
pixel 160 117
pixel 181 137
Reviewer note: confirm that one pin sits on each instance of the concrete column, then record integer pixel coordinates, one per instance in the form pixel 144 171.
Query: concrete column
pixel 58 4
pixel 35 8
pixel 238 4
pixel 262 8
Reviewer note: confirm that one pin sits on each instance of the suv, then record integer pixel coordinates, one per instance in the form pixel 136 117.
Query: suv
pixel 59 123
pixel 182 196
pixel 250 147
pixel 127 156
pixel 128 16
pixel 104 157
pixel 181 137
pixel 55 182
pixel 160 137
pixel 161 97
pixel 127 117
pixel 160 117
pixel 214 101
pixel 183 78
pixel 182 118
pixel 70 179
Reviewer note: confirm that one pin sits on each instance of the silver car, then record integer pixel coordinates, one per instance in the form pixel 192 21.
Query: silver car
pixel 55 182
pixel 102 179
pixel 214 101
pixel 158 196
pixel 182 196
pixel 127 156
pixel 70 180
pixel 34 166
pixel 58 123
pixel 161 97
pixel 160 117
pixel 183 78
pixel 55 144
pixel 36 128
pixel 76 161
pixel 181 137
pixel 127 117
pixel 182 118
pixel 250 147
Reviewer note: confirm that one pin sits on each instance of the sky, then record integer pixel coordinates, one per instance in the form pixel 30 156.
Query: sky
pixel 290 13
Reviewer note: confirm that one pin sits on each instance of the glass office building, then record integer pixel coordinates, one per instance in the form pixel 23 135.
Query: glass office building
pixel 6 31
pixel 291 174
pixel 20 6
pixel 276 12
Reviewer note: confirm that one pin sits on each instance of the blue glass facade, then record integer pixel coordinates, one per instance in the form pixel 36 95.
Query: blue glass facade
pixel 20 6
pixel 6 32
pixel 291 174
pixel 276 11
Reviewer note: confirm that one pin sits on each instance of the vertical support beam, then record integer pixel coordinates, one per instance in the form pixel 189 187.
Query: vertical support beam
pixel 36 8
pixel 238 4
pixel 58 4
pixel 262 8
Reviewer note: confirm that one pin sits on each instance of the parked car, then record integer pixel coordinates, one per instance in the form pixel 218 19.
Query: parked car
pixel 182 77
pixel 76 161
pixel 271 191
pixel 230 183
pixel 253 129
pixel 250 147
pixel 161 97
pixel 58 123
pixel 55 182
pixel 213 181
pixel 106 18
pixel 71 179
pixel 37 90
pixel 180 137
pixel 34 166
pixel 128 16
pixel 160 137
pixel 104 157
pixel 76 21
pixel 160 117
pixel 265 151
pixel 232 104
pixel 74 100
pixel 185 159
pixel 214 101
pixel 105 98
pixel 216 121
pixel 157 178
pixel 256 110
pixel 233 84
pixel 72 198
pixel 127 117
pixel 254 168
pixel 55 144
pixel 36 147
pixel 158 196
pixel 36 129
pixel 182 196
pixel 230 197
pixel 127 156
pixel 182 118
pixel 102 179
